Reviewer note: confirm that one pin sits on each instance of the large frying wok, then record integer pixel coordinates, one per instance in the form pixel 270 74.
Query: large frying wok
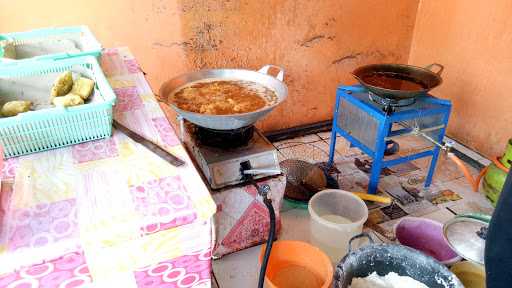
pixel 423 76
pixel 230 121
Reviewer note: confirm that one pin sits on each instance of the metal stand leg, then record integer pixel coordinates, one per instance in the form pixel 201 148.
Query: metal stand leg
pixel 435 156
pixel 332 147
pixel 376 168
pixel 380 147
pixel 432 168
pixel 374 176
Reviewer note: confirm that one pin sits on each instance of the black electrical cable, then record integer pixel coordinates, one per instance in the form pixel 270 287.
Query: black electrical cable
pixel 270 241
pixel 263 191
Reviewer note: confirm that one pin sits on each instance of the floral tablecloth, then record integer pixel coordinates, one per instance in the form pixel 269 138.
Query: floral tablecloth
pixel 107 213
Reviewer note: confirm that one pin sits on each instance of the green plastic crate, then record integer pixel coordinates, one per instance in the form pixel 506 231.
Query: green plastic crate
pixel 61 39
pixel 52 127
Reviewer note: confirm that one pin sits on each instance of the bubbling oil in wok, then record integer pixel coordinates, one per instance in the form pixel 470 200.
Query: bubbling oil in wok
pixel 223 97
pixel 393 81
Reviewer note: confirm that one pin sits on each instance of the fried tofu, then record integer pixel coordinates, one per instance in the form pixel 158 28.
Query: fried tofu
pixel 68 100
pixel 83 87
pixel 9 49
pixel 62 85
pixel 13 108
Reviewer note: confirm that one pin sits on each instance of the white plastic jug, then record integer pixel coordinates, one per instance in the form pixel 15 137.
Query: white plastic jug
pixel 336 216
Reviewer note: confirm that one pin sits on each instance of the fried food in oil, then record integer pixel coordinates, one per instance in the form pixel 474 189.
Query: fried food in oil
pixel 223 97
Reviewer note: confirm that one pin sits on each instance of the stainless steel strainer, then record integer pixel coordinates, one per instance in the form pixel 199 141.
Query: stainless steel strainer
pixel 303 179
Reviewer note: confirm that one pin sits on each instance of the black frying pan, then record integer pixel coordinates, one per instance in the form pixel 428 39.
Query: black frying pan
pixel 381 79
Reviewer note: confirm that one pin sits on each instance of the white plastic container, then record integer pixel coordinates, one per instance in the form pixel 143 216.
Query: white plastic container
pixel 336 216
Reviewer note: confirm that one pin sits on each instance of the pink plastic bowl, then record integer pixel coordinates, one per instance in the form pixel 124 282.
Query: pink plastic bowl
pixel 426 236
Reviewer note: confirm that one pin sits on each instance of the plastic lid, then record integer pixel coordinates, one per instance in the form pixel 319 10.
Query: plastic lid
pixel 466 236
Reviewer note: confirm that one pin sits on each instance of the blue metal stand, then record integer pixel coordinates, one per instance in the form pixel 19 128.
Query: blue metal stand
pixel 366 126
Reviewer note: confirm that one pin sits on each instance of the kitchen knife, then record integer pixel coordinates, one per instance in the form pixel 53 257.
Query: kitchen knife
pixel 167 156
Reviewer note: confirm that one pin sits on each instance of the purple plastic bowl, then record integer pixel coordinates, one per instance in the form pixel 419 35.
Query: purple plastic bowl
pixel 426 236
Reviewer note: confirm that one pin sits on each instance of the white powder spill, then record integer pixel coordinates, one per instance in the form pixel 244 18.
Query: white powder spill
pixel 391 280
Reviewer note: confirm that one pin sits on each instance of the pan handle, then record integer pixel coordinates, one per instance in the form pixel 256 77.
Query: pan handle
pixel 441 68
pixel 280 74
pixel 362 235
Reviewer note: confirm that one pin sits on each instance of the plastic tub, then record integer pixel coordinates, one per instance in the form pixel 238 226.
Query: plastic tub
pixel 52 43
pixel 296 264
pixel 426 236
pixel 472 275
pixel 50 127
pixel 336 216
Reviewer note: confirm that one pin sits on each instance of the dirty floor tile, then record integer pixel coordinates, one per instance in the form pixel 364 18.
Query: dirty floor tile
pixel 342 146
pixel 295 225
pixel 324 135
pixel 356 182
pixel 412 144
pixel 311 152
pixel 346 165
pixel 297 141
pixel 422 163
pixel 471 201
pixel 472 207
pixel 239 269
pixel 441 215
pixel 447 170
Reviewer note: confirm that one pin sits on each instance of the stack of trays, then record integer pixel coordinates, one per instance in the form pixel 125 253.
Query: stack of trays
pixel 30 63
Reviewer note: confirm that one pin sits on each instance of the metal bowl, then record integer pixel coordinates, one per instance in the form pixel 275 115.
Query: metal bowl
pixel 386 258
pixel 229 121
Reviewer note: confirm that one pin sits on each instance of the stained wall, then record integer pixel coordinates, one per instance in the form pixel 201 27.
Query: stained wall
pixel 473 40
pixel 317 42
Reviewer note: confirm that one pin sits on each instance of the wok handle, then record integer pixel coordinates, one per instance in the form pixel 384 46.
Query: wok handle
pixel 441 68
pixel 362 235
pixel 280 74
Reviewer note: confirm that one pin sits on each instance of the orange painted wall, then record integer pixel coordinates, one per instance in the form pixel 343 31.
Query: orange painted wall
pixel 318 42
pixel 473 40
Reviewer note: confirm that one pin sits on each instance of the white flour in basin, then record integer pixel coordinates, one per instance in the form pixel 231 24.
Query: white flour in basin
pixel 391 280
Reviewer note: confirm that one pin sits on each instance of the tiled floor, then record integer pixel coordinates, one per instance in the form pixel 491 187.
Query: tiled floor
pixel 241 269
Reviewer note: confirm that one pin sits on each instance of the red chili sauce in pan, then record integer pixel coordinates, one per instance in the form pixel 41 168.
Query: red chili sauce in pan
pixel 393 81
pixel 222 97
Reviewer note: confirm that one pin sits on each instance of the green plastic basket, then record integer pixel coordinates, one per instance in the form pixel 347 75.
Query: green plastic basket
pixel 81 37
pixel 54 127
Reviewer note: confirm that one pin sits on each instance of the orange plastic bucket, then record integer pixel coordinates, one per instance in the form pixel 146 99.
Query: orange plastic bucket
pixel 296 264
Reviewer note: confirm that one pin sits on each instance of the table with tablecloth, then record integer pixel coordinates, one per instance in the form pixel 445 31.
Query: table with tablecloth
pixel 108 212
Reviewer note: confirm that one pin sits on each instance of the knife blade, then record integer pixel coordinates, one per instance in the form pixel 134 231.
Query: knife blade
pixel 153 147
